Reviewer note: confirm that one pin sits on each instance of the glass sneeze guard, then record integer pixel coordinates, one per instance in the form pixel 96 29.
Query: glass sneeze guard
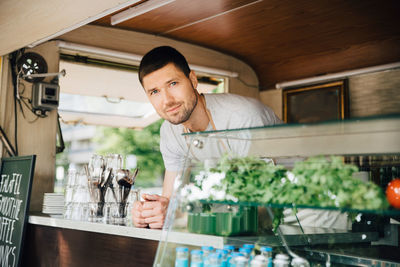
pixel 207 211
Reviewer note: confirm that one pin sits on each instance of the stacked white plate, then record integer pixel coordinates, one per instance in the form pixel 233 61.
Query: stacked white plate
pixel 53 203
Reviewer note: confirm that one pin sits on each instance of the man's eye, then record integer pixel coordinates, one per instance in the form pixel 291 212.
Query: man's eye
pixel 153 92
pixel 173 83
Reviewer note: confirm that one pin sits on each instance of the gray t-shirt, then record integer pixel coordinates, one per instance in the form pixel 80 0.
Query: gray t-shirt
pixel 228 111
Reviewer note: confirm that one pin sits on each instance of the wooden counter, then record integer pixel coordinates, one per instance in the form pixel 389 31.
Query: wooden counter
pixel 67 243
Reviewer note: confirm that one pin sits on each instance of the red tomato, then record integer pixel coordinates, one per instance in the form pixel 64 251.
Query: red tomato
pixel 393 193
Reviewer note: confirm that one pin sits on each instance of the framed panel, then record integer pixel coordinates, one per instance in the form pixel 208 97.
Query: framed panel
pixel 315 103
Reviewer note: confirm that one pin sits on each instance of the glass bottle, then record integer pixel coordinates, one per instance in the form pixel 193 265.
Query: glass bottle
pixel 251 247
pixel 214 260
pixel 182 257
pixel 300 262
pixel 267 253
pixel 241 261
pixel 207 250
pixel 229 248
pixel 246 252
pixel 224 256
pixel 259 261
pixel 233 256
pixel 281 260
pixel 196 258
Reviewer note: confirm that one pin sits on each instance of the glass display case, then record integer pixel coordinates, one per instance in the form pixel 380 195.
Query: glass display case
pixel 315 192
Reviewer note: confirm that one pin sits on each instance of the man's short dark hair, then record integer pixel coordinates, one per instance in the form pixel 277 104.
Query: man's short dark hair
pixel 160 57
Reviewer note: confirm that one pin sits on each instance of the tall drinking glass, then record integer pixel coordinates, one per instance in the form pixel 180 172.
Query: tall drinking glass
pixel 95 177
pixel 121 185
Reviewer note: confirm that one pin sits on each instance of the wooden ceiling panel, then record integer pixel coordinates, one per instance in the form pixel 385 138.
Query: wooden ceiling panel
pixel 287 33
pixel 175 14
pixel 283 39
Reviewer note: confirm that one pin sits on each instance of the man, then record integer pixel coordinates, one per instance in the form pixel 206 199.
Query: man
pixel 171 86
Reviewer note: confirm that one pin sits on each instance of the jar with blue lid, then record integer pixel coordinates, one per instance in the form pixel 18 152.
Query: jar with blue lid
pixel 207 250
pixel 266 251
pixel 246 252
pixel 224 256
pixel 230 248
pixel 234 255
pixel 196 258
pixel 182 257
pixel 214 260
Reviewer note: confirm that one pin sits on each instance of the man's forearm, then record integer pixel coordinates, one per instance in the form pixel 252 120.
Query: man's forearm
pixel 168 185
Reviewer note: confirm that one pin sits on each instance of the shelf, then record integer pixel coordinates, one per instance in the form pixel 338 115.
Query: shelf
pixel 388 212
pixel 128 231
pixel 311 236
pixel 356 256
pixel 356 136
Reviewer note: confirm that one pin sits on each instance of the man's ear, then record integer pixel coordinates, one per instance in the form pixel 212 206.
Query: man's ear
pixel 193 79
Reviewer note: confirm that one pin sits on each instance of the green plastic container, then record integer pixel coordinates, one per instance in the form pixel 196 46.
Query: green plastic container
pixel 207 223
pixel 227 224
pixel 224 223
pixel 194 222
pixel 249 219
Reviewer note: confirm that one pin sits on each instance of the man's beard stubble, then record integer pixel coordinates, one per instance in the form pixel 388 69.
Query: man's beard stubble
pixel 186 113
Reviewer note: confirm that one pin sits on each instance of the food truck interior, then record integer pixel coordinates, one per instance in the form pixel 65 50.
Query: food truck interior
pixel 310 61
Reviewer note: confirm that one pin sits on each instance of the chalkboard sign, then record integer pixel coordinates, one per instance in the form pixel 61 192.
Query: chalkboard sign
pixel 15 189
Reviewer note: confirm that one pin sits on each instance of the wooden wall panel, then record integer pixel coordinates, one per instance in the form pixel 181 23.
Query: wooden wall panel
pixel 371 94
pixel 58 247
pixel 332 61
pixel 273 99
pixel 375 94
pixel 35 135
pixel 6 104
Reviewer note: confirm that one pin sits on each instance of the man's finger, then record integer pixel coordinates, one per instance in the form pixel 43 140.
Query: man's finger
pixel 149 205
pixel 137 206
pixel 139 222
pixel 149 197
pixel 151 213
pixel 154 219
pixel 156 225
pixel 140 225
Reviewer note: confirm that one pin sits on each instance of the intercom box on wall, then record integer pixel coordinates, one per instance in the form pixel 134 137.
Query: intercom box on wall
pixel 45 96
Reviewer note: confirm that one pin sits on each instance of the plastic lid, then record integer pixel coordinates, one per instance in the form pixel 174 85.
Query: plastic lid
pixel 282 257
pixel 300 262
pixel 229 247
pixel 182 249
pixel 222 251
pixel 247 250
pixel 259 261
pixel 266 249
pixel 207 248
pixel 196 252
pixel 251 246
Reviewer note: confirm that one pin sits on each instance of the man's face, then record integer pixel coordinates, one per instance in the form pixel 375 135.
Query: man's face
pixel 171 93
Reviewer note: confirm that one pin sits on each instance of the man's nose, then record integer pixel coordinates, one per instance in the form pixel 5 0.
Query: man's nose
pixel 167 97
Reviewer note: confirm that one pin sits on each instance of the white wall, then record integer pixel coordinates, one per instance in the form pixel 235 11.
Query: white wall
pixel 140 44
pixel 23 22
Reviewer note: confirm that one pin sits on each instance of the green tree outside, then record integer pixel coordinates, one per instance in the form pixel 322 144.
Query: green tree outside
pixel 144 144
